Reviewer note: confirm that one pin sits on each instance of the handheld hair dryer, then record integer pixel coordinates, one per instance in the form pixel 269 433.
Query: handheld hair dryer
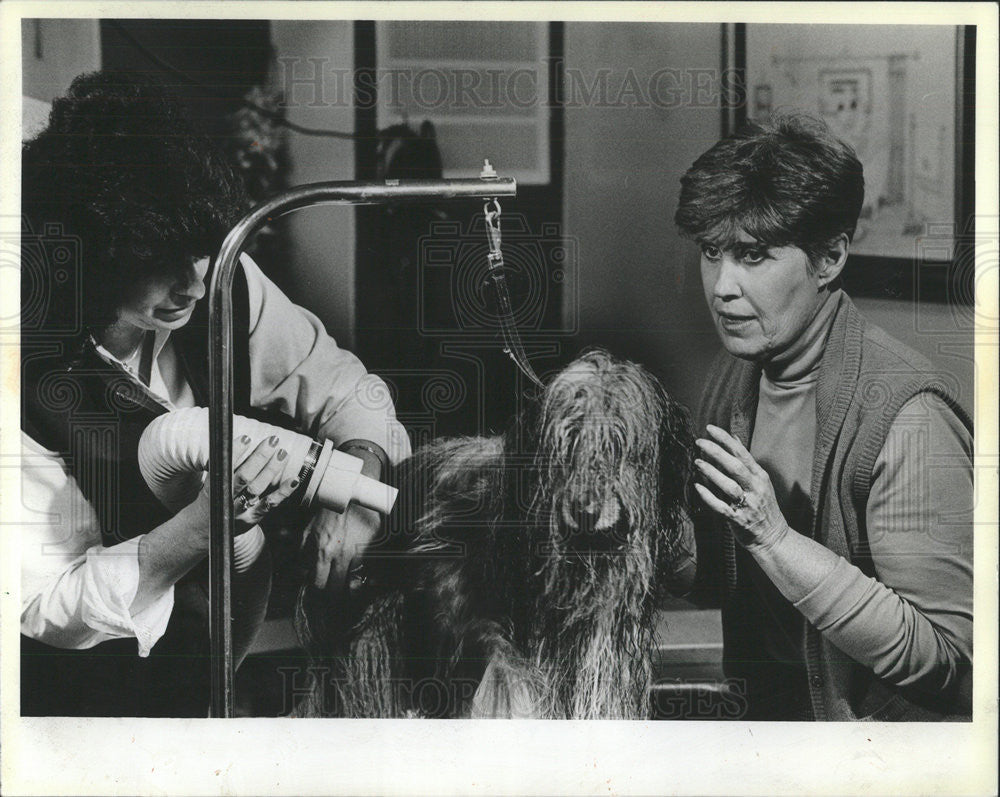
pixel 173 456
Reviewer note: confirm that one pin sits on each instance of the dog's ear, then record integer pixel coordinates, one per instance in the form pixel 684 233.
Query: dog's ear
pixel 446 478
pixel 676 455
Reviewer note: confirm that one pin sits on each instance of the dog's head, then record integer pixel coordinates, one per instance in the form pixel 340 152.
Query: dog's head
pixel 592 476
pixel 611 457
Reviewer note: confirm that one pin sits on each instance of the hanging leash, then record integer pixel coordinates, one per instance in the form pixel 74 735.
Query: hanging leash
pixel 512 339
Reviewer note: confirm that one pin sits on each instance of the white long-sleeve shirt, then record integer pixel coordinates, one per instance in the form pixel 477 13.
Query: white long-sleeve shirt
pixel 75 593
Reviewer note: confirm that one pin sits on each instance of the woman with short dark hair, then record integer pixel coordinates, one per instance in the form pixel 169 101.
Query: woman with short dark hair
pixel 836 466
pixel 114 601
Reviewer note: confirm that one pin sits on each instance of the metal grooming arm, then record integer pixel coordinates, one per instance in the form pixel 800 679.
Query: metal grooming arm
pixel 220 331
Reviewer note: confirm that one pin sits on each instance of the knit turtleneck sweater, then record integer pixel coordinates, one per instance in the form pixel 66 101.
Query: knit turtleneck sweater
pixel 921 484
pixel 783 444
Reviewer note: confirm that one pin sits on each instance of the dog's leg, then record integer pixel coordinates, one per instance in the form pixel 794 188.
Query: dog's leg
pixel 510 688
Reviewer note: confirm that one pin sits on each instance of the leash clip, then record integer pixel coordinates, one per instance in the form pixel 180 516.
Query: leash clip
pixel 512 340
pixel 493 237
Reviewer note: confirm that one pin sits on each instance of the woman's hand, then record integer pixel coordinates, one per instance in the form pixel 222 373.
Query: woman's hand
pixel 257 484
pixel 339 539
pixel 173 548
pixel 739 490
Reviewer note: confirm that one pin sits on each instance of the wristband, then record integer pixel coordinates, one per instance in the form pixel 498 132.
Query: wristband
pixel 371 448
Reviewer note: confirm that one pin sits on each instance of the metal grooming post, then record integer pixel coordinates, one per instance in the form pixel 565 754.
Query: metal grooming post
pixel 220 331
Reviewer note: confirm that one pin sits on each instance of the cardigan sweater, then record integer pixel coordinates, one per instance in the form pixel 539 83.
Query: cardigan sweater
pixel 865 378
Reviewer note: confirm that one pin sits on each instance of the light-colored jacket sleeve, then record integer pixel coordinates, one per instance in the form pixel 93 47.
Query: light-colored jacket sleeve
pixel 74 592
pixel 297 368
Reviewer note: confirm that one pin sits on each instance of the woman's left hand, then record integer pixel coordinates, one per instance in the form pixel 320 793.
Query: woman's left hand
pixel 739 490
pixel 339 538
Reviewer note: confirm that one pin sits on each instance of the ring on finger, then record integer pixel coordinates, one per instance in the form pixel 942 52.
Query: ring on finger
pixel 247 501
pixel 741 502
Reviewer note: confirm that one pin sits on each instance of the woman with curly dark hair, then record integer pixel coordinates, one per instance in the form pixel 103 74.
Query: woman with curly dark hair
pixel 124 203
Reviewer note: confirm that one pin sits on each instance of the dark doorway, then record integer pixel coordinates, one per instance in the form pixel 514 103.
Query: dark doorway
pixel 429 332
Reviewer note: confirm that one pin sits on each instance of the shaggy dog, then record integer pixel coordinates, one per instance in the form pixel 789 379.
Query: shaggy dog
pixel 519 574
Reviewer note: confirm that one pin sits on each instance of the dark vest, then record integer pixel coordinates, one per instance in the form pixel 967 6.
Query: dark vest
pixel 865 379
pixel 92 413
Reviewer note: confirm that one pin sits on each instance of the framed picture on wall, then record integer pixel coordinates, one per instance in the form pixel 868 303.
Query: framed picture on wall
pixel 898 96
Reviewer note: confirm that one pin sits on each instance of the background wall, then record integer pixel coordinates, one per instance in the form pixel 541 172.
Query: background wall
pixel 321 239
pixel 637 290
pixel 54 51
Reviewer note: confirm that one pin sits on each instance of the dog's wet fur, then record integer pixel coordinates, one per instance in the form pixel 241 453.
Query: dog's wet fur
pixel 518 575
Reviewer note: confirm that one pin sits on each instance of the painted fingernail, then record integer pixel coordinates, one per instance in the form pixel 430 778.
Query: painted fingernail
pixel 244 438
pixel 272 440
pixel 282 454
pixel 293 483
